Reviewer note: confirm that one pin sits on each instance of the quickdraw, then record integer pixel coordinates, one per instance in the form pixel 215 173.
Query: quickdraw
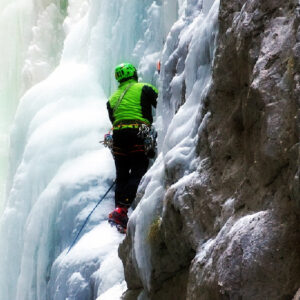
pixel 108 141
pixel 149 135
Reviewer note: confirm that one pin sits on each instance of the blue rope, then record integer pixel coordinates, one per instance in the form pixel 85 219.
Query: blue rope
pixel 86 220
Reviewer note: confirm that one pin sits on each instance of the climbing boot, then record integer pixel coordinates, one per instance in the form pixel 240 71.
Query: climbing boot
pixel 119 219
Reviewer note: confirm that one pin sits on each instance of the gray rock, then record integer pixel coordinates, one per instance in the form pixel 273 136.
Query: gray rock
pixel 297 296
pixel 232 232
pixel 248 260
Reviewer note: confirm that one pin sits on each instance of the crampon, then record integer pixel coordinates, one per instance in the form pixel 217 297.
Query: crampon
pixel 118 226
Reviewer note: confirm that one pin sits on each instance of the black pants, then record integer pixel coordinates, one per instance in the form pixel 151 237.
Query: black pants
pixel 131 164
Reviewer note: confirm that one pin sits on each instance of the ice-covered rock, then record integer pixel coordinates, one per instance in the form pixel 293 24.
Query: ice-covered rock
pixel 226 226
pixel 217 214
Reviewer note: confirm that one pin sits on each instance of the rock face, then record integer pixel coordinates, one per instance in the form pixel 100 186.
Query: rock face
pixel 232 231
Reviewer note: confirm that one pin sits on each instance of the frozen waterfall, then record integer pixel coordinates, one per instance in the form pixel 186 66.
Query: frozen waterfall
pixel 58 169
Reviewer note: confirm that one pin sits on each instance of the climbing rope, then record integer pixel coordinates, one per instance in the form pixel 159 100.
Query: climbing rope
pixel 86 220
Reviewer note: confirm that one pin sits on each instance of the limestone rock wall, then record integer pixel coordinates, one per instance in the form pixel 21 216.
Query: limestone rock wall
pixel 233 231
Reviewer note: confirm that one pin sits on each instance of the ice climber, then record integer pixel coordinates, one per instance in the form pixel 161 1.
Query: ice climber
pixel 130 110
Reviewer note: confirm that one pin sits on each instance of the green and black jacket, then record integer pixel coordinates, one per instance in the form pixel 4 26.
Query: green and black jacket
pixel 136 104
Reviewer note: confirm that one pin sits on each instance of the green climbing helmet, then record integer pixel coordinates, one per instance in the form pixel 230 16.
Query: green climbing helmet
pixel 125 71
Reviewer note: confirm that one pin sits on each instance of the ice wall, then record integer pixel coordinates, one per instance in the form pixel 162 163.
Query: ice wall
pixel 58 169
pixel 12 51
pixel 31 38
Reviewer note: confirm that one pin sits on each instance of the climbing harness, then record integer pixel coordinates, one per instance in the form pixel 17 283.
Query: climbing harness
pixel 149 135
pixel 146 132
pixel 86 220
pixel 124 126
